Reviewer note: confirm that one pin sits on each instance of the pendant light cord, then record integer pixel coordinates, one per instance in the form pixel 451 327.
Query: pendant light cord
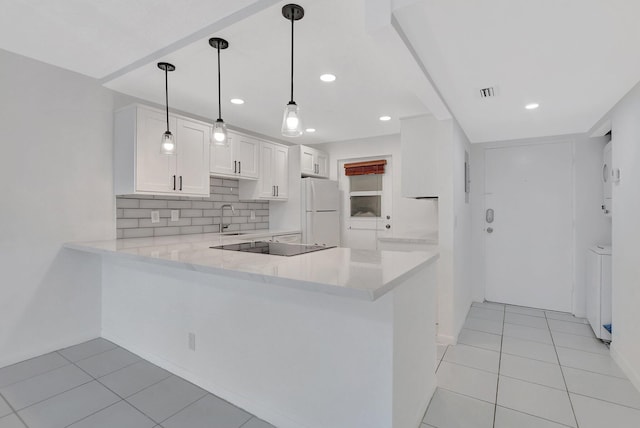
pixel 292 57
pixel 219 105
pixel 166 93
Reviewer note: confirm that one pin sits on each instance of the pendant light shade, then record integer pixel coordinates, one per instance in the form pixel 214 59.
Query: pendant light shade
pixel 291 122
pixel 219 127
pixel 167 142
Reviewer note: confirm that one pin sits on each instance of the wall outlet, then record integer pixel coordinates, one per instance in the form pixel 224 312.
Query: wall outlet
pixel 253 214
pixel 155 216
pixel 192 341
pixel 175 215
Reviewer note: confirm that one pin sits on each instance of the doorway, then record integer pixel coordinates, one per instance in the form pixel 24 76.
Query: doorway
pixel 528 227
pixel 366 205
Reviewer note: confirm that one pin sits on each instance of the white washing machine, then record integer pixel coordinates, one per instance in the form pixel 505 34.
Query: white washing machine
pixel 599 289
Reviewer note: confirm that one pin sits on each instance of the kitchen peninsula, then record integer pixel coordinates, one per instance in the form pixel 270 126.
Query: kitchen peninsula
pixel 334 338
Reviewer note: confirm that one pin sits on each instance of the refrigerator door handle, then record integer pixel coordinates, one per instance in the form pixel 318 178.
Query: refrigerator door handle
pixel 313 195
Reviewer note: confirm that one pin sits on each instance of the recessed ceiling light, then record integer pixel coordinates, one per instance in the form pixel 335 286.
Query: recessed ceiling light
pixel 310 130
pixel 328 77
pixel 385 118
pixel 532 106
pixel 237 101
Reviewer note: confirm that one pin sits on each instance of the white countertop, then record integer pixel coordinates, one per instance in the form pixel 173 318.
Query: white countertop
pixel 346 272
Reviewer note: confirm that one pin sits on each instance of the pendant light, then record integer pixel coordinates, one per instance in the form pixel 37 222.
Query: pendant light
pixel 291 123
pixel 168 143
pixel 219 128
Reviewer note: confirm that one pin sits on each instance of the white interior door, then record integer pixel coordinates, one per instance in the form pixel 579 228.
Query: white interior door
pixel 529 243
pixel 366 206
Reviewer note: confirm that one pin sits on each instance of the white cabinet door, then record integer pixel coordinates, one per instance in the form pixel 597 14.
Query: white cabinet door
pixel 307 161
pixel 313 163
pixel 266 183
pixel 154 171
pixel 192 159
pixel 222 156
pixel 139 167
pixel 281 171
pixel 247 154
pixel 273 181
pixel 323 165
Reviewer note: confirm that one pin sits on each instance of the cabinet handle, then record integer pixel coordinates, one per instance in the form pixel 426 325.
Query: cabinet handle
pixel 181 183
pixel 239 167
pixel 174 182
pixel 316 168
pixel 235 167
pixel 273 190
pixel 277 190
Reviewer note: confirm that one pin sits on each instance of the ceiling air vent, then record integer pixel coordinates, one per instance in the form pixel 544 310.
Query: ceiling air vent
pixel 487 92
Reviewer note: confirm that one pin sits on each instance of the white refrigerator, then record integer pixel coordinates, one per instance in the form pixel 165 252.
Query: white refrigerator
pixel 320 216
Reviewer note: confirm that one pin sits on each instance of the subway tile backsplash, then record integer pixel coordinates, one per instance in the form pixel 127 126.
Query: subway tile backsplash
pixel 197 215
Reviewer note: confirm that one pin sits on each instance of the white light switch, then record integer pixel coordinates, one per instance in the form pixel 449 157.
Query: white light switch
pixel 155 216
pixel 175 215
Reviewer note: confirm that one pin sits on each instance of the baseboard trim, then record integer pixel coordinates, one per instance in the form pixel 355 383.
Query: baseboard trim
pixel 52 347
pixel 444 339
pixel 627 368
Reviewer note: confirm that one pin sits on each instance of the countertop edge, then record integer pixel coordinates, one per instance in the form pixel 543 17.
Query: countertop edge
pixel 299 284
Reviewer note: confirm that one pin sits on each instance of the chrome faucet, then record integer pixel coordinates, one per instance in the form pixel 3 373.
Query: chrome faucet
pixel 233 211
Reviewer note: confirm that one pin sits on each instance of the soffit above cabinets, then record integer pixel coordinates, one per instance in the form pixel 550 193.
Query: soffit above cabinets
pixel 576 58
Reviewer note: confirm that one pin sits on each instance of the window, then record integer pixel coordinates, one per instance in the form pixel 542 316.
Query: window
pixel 365 192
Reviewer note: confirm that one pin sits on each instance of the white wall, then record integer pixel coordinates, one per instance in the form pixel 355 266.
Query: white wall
pixel 625 129
pixel 410 216
pixel 591 226
pixel 454 239
pixel 56 170
pixel 462 279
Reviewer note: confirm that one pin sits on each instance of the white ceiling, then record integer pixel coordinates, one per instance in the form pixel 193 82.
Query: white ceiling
pixel 576 58
pixel 372 78
pixel 98 37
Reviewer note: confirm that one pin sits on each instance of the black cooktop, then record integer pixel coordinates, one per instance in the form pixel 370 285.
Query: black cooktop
pixel 273 248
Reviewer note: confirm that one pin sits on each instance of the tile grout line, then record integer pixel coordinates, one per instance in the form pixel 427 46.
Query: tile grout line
pixel 118 395
pixel 15 412
pixel 575 417
pixel 185 407
pixel 495 406
pixel 536 416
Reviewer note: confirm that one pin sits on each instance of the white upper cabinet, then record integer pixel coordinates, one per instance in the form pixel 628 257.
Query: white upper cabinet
pixel 140 168
pixel 313 162
pixel 420 137
pixel 238 157
pixel 273 181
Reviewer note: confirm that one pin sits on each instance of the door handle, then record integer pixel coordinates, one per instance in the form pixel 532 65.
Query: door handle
pixel 277 190
pixel 235 167
pixel 239 167
pixel 174 182
pixel 180 183
pixel 273 190
pixel 489 216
